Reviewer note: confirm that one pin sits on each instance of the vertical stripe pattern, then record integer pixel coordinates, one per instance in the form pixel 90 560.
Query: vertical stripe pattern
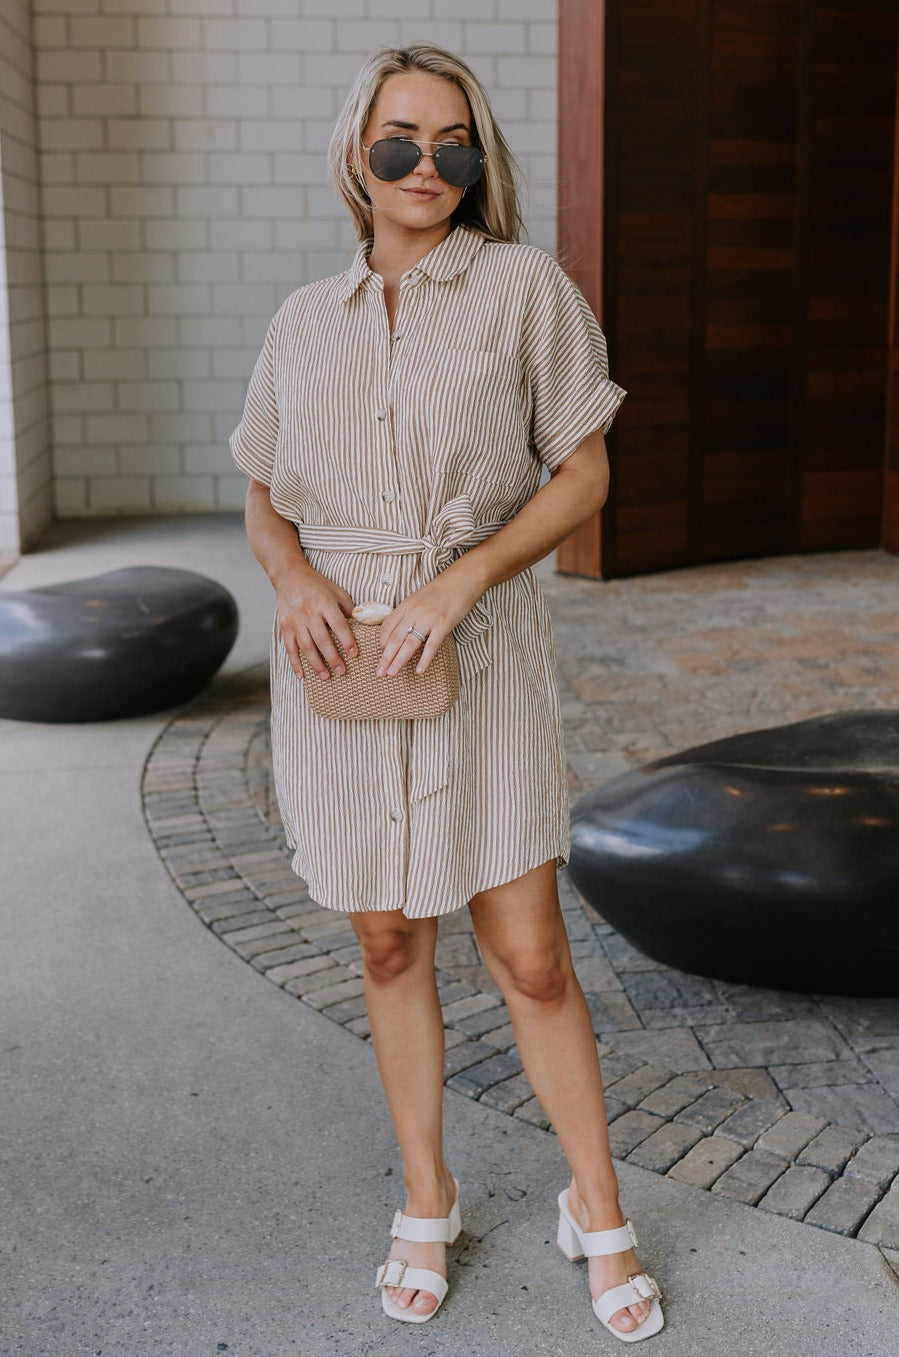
pixel 392 453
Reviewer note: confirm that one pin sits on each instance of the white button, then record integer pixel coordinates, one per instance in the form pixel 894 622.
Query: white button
pixel 387 578
pixel 396 815
pixel 381 414
pixel 388 496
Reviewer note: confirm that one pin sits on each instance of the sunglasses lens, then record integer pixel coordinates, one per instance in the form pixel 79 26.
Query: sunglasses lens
pixel 393 158
pixel 460 166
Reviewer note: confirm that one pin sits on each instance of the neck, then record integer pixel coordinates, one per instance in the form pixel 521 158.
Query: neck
pixel 396 249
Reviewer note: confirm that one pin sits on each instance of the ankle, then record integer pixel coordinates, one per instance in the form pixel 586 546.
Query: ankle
pixel 596 1205
pixel 429 1192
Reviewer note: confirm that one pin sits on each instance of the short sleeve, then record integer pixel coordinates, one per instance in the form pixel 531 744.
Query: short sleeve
pixel 566 366
pixel 254 440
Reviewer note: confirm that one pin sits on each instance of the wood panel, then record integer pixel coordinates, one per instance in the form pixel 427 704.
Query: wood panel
pixel 841 391
pixel 581 117
pixel 891 460
pixel 653 99
pixel 743 501
pixel 745 218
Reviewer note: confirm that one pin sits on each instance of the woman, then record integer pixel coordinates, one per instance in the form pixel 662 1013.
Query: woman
pixel 395 428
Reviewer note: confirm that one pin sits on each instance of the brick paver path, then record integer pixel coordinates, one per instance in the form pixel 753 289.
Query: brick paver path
pixel 788 1101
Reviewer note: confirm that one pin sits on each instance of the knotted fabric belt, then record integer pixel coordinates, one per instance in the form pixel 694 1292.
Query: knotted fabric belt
pixel 452 531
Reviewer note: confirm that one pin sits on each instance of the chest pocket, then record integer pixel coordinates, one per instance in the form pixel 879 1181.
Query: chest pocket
pixel 471 403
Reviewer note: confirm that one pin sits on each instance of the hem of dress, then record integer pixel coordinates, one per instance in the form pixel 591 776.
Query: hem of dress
pixel 559 855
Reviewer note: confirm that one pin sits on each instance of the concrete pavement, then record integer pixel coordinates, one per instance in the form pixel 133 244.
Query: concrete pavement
pixel 195 1163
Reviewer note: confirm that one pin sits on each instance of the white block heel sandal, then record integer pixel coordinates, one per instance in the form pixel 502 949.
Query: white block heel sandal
pixel 418 1230
pixel 576 1244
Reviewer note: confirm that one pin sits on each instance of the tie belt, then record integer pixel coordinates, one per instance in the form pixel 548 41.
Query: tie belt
pixel 453 531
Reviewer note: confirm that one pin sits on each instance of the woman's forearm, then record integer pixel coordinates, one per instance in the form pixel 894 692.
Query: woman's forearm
pixel 572 496
pixel 274 541
pixel 312 611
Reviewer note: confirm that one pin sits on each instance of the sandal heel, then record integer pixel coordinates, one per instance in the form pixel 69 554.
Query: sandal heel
pixel 576 1243
pixel 568 1241
pixel 397 1273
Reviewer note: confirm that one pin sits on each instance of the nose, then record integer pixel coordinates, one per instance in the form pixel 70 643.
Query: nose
pixel 429 169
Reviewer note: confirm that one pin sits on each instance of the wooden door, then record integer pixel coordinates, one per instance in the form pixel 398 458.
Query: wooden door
pixel 746 208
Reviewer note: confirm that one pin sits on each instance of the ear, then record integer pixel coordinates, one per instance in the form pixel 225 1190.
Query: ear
pixel 358 175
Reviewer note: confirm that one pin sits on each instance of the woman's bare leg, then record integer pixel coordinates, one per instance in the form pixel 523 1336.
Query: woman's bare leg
pixel 407 1034
pixel 522 938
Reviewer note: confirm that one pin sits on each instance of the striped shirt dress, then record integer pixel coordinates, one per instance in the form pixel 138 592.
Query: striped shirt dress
pixel 393 452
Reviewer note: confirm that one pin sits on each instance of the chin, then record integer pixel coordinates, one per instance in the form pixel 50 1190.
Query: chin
pixel 422 215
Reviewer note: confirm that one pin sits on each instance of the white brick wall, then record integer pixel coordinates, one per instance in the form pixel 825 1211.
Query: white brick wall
pixel 25 471
pixel 186 194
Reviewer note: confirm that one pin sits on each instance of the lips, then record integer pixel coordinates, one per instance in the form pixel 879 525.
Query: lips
pixel 422 193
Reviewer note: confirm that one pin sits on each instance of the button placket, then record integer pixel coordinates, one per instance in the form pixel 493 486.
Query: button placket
pixel 381 389
pixel 382 404
pixel 390 494
pixel 394 801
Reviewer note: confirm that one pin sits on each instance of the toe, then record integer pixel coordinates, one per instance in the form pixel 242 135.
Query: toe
pixel 624 1321
pixel 628 1320
pixel 422 1302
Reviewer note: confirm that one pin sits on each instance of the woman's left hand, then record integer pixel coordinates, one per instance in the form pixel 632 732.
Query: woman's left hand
pixel 433 610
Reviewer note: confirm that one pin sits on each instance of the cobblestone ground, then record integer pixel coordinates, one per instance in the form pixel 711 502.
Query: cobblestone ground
pixel 785 1101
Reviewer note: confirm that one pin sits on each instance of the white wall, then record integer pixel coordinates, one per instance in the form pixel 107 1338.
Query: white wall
pixel 185 194
pixel 25 470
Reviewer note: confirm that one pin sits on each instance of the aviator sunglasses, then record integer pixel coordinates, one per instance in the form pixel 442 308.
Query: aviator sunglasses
pixel 395 157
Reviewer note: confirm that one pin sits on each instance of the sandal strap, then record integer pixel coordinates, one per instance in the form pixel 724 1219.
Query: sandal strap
pixel 397 1273
pixel 603 1242
pixel 598 1243
pixel 422 1230
pixel 634 1291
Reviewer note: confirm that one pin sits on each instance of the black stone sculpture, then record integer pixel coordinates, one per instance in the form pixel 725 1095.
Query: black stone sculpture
pixel 770 858
pixel 121 644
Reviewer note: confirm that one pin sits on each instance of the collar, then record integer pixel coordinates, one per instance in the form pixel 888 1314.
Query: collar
pixel 447 260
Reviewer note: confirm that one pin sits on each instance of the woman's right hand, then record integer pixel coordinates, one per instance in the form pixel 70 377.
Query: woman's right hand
pixel 312 615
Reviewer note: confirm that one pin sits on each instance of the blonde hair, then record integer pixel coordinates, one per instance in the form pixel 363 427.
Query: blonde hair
pixel 490 206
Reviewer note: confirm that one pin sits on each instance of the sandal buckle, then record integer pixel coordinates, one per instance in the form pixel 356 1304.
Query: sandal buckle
pixel 645 1286
pixel 392 1272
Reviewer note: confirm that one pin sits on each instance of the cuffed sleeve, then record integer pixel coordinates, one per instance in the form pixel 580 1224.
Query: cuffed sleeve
pixel 566 366
pixel 254 441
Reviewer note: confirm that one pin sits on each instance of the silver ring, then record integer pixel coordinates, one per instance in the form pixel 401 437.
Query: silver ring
pixel 413 631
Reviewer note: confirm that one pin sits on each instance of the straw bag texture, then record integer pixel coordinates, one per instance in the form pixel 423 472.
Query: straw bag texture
pixel 359 695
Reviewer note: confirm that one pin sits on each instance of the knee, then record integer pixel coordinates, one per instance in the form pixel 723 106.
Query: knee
pixel 388 954
pixel 539 975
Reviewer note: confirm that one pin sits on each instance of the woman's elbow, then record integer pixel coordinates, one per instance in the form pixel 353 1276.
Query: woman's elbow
pixel 588 470
pixel 600 487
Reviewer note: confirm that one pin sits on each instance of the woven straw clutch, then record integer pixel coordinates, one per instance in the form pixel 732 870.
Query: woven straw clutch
pixel 359 695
